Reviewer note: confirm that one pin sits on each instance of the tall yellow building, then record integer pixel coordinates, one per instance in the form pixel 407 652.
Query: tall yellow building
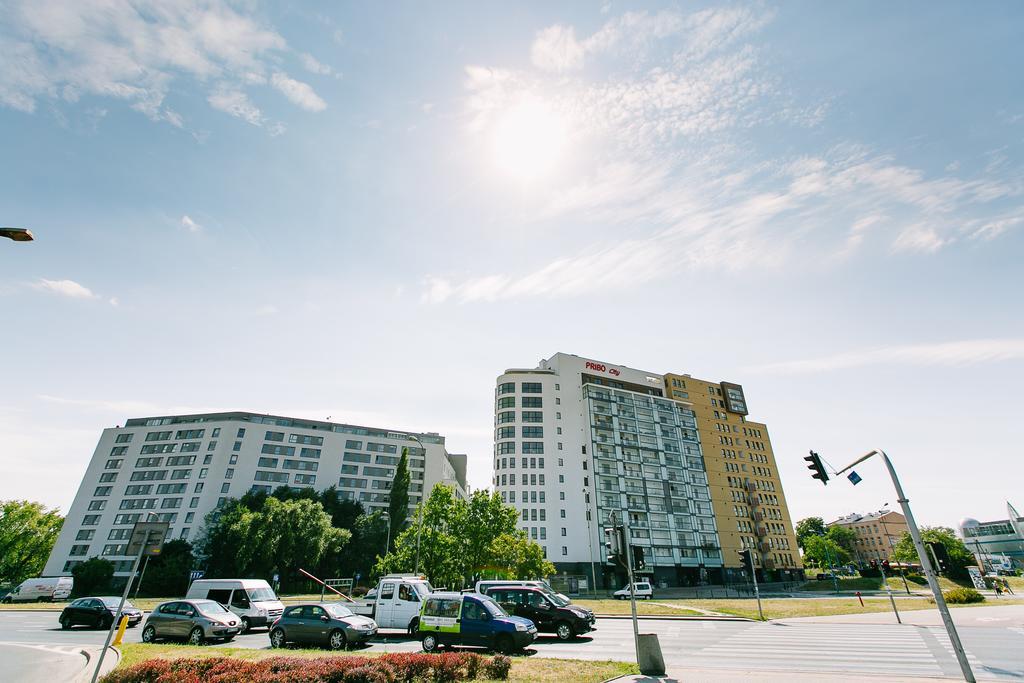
pixel 746 491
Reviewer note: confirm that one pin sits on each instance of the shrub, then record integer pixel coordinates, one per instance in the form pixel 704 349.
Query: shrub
pixel 498 667
pixel 388 668
pixel 963 596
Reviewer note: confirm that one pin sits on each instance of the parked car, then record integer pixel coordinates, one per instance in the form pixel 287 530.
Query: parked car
pixel 482 586
pixel 395 602
pixel 97 612
pixel 252 600
pixel 471 619
pixel 546 610
pixel 321 623
pixel 195 621
pixel 43 589
pixel 643 591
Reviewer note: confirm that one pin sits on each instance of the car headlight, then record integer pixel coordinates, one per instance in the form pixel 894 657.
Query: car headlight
pixel 521 626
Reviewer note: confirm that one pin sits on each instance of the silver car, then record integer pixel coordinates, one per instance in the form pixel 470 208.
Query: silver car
pixel 195 621
pixel 321 623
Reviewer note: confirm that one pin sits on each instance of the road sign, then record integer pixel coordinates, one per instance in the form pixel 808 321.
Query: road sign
pixel 854 478
pixel 148 534
pixel 196 574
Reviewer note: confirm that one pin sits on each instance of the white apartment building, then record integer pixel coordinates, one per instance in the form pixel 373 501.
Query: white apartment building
pixel 577 440
pixel 183 466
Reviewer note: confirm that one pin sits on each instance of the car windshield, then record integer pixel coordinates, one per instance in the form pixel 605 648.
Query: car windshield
pixel 493 607
pixel 210 607
pixel 113 602
pixel 261 595
pixel 423 589
pixel 337 611
pixel 557 599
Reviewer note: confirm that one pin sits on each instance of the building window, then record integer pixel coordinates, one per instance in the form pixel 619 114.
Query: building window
pixel 565 551
pixel 532 402
pixel 531 388
pixel 533 432
pixel 507 402
pixel 508 432
pixel 533 447
pixel 225 487
pixel 85 535
pixel 90 520
pixel 506 417
pixel 273 436
pixel 102 491
pixel 241 433
pixel 506 447
pixel 506 388
pixel 123 438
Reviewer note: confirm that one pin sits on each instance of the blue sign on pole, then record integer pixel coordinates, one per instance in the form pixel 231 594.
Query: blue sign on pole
pixel 195 574
pixel 854 478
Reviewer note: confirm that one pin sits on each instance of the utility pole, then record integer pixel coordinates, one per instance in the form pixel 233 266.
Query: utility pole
pixel 926 565
pixel 885 580
pixel 590 540
pixel 831 565
pixel 888 539
pixel 619 537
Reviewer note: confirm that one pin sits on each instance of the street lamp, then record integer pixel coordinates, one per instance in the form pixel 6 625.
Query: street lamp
pixel 17 234
pixel 926 565
pixel 590 539
pixel 387 543
pixel 888 539
pixel 419 524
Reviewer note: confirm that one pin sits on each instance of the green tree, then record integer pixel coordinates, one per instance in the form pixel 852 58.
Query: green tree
pixel 819 549
pixel 811 526
pixel 844 537
pixel 398 501
pixel 92 577
pixel 27 534
pixel 281 537
pixel 517 557
pixel 959 556
pixel 168 572
pixel 484 518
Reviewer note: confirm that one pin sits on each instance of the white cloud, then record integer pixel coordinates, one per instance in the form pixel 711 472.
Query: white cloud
pixel 133 51
pixel 950 354
pixel 919 238
pixel 298 92
pixel 68 288
pixel 312 65
pixel 114 301
pixel 556 49
pixel 190 225
pixel 236 103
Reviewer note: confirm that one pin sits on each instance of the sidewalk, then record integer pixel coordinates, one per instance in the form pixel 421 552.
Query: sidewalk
pixel 731 675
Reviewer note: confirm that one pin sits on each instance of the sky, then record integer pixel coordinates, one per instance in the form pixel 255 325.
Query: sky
pixel 370 211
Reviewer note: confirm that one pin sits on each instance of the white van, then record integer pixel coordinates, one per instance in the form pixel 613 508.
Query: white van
pixel 253 600
pixel 41 590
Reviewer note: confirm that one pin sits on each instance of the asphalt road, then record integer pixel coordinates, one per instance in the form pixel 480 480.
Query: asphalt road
pixel 41 663
pixel 994 641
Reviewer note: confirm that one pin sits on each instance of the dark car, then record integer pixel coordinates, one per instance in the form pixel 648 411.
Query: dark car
pixel 549 612
pixel 321 623
pixel 97 612
pixel 195 621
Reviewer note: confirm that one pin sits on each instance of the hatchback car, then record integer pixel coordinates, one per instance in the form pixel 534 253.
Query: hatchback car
pixel 321 623
pixel 195 621
pixel 545 609
pixel 97 612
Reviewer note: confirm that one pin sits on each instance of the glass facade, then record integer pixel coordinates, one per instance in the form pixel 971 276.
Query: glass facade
pixel 649 470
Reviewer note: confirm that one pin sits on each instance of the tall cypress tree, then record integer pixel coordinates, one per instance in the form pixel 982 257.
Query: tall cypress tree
pixel 398 504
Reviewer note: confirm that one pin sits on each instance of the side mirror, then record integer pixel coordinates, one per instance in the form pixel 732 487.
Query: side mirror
pixel 487 616
pixel 324 618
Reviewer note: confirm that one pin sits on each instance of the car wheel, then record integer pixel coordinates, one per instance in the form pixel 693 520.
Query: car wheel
pixel 65 623
pixel 227 640
pixel 414 626
pixel 149 634
pixel 337 639
pixel 277 638
pixel 105 622
pixel 195 636
pixel 563 630
pixel 504 644
pixel 244 625
pixel 429 642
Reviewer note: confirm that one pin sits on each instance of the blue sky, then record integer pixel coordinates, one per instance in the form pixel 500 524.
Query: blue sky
pixel 369 213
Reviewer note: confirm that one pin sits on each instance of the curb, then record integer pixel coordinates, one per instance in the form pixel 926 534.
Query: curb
pixel 672 617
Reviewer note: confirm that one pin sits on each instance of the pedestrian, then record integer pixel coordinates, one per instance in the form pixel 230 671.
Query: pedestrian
pixel 996 584
pixel 1006 586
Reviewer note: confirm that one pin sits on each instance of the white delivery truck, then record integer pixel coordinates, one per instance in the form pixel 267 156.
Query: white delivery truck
pixel 253 600
pixel 395 602
pixel 41 590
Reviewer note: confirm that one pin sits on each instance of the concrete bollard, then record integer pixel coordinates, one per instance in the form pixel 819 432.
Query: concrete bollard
pixel 648 655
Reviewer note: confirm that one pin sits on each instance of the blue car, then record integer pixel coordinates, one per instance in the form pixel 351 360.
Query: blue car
pixel 475 620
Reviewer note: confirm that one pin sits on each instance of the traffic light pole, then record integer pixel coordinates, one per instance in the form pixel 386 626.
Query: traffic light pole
pixel 622 539
pixel 926 565
pixel 885 580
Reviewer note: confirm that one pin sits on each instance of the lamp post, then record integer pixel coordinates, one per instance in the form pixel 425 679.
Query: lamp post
pixel 387 543
pixel 888 539
pixel 590 540
pixel 926 565
pixel 17 234
pixel 419 524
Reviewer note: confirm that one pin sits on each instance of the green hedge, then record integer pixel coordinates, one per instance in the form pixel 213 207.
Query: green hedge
pixel 963 596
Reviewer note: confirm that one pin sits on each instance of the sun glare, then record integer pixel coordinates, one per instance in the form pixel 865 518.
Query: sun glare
pixel 528 140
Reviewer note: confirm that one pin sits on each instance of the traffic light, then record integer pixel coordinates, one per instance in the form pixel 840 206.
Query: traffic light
pixel 613 546
pixel 746 560
pixel 815 466
pixel 941 556
pixel 638 558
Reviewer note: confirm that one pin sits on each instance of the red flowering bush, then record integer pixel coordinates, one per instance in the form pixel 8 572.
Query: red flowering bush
pixel 445 667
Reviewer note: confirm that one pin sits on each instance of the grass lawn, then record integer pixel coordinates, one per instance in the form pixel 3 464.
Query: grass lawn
pixel 524 669
pixel 783 608
pixel 916 583
pixel 646 607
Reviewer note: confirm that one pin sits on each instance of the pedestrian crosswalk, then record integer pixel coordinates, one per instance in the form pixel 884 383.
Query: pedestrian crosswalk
pixel 890 649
